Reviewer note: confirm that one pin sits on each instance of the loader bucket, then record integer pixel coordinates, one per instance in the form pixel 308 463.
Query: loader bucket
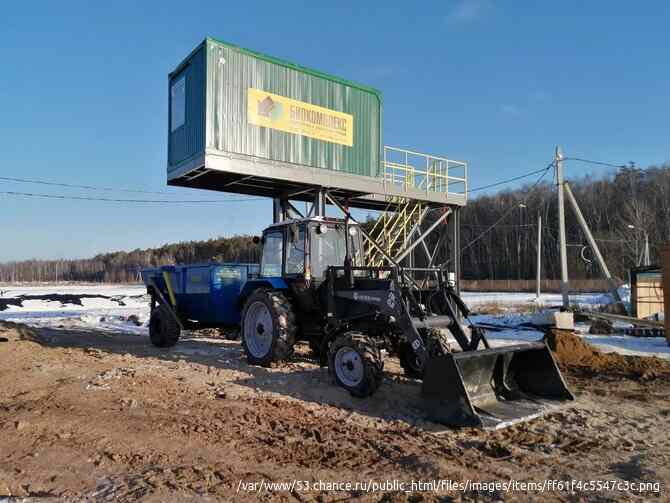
pixel 493 388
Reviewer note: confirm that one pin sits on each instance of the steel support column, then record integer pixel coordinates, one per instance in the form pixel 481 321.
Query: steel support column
pixel 592 243
pixel 456 248
pixel 423 236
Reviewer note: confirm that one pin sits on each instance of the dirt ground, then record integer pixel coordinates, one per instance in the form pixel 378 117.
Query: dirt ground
pixel 99 416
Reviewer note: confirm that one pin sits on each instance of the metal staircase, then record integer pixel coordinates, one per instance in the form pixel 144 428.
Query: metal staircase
pixel 393 229
pixel 409 171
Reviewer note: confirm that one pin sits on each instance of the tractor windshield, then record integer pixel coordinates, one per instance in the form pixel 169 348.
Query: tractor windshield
pixel 329 249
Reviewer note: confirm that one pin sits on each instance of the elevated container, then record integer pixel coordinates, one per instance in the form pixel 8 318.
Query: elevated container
pixel 244 122
pixel 228 101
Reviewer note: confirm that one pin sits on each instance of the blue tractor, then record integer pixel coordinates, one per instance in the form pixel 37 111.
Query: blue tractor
pixel 312 284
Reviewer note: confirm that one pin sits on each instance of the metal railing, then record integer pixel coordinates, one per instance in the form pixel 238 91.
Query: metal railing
pixel 414 170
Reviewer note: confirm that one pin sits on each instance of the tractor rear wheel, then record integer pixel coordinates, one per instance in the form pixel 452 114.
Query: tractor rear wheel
pixel 436 345
pixel 163 328
pixel 356 363
pixel 268 328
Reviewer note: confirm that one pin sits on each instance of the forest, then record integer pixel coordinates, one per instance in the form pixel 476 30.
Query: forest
pixel 621 210
pixel 499 235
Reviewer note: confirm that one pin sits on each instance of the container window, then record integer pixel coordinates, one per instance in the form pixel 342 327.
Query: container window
pixel 197 280
pixel 178 103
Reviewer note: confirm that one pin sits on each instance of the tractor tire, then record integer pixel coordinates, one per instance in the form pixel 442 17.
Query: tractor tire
pixel 436 345
pixel 355 363
pixel 268 328
pixel 409 361
pixel 164 330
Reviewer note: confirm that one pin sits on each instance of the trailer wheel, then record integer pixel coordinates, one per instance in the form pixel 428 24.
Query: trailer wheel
pixel 163 328
pixel 436 345
pixel 356 363
pixel 268 328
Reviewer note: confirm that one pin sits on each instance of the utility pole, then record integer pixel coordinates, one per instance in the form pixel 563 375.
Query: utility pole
pixel 522 207
pixel 539 254
pixel 644 257
pixel 563 250
pixel 592 243
pixel 647 261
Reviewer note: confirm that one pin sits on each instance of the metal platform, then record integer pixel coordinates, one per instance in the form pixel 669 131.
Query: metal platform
pixel 436 181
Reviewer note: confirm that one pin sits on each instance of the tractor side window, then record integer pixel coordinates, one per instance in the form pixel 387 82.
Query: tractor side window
pixel 295 251
pixel 356 248
pixel 273 246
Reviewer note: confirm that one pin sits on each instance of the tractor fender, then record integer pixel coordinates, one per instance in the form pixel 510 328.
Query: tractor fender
pixel 253 285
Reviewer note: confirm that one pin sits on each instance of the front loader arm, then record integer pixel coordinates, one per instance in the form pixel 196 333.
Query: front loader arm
pixel 451 299
pixel 390 303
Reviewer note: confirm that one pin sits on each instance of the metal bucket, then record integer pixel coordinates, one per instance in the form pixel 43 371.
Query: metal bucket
pixel 493 388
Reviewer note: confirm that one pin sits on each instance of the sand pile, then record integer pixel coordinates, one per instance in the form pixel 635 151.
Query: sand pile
pixel 571 351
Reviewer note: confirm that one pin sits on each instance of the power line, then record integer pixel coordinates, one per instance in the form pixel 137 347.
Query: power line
pixel 86 187
pixel 110 200
pixel 514 179
pixel 599 163
pixel 516 226
pixel 509 210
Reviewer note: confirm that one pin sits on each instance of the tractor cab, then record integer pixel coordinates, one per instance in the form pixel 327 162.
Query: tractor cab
pixel 303 249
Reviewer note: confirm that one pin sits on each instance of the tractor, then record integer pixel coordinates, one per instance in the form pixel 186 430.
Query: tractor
pixel 313 285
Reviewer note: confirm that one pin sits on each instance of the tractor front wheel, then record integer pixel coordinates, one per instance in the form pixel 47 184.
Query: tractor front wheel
pixel 409 361
pixel 268 328
pixel 436 345
pixel 356 363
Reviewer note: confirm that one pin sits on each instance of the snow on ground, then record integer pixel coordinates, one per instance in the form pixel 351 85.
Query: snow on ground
pixel 475 299
pixel 110 290
pixel 587 300
pixel 108 314
pixel 512 333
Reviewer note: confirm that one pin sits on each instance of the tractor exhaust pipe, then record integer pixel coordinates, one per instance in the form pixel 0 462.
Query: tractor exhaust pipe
pixel 348 273
pixel 493 388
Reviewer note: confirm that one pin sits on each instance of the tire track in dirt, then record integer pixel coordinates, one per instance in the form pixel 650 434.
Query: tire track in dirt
pixel 89 419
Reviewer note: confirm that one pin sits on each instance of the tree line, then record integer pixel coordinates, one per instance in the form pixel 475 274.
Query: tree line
pixel 124 267
pixel 621 209
pixel 610 204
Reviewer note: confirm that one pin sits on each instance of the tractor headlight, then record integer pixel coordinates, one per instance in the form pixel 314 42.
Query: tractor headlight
pixel 322 228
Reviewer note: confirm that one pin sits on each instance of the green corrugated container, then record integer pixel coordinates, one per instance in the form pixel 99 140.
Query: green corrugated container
pixel 227 101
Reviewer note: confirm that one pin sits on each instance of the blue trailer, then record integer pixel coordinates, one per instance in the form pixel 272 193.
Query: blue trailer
pixel 200 295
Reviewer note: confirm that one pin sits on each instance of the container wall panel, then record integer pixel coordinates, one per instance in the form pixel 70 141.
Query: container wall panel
pixel 231 72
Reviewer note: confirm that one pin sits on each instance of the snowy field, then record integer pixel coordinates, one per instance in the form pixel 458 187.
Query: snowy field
pixel 109 312
pixel 475 299
pixel 125 308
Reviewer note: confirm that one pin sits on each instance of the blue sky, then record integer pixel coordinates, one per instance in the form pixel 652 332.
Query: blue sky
pixel 83 96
